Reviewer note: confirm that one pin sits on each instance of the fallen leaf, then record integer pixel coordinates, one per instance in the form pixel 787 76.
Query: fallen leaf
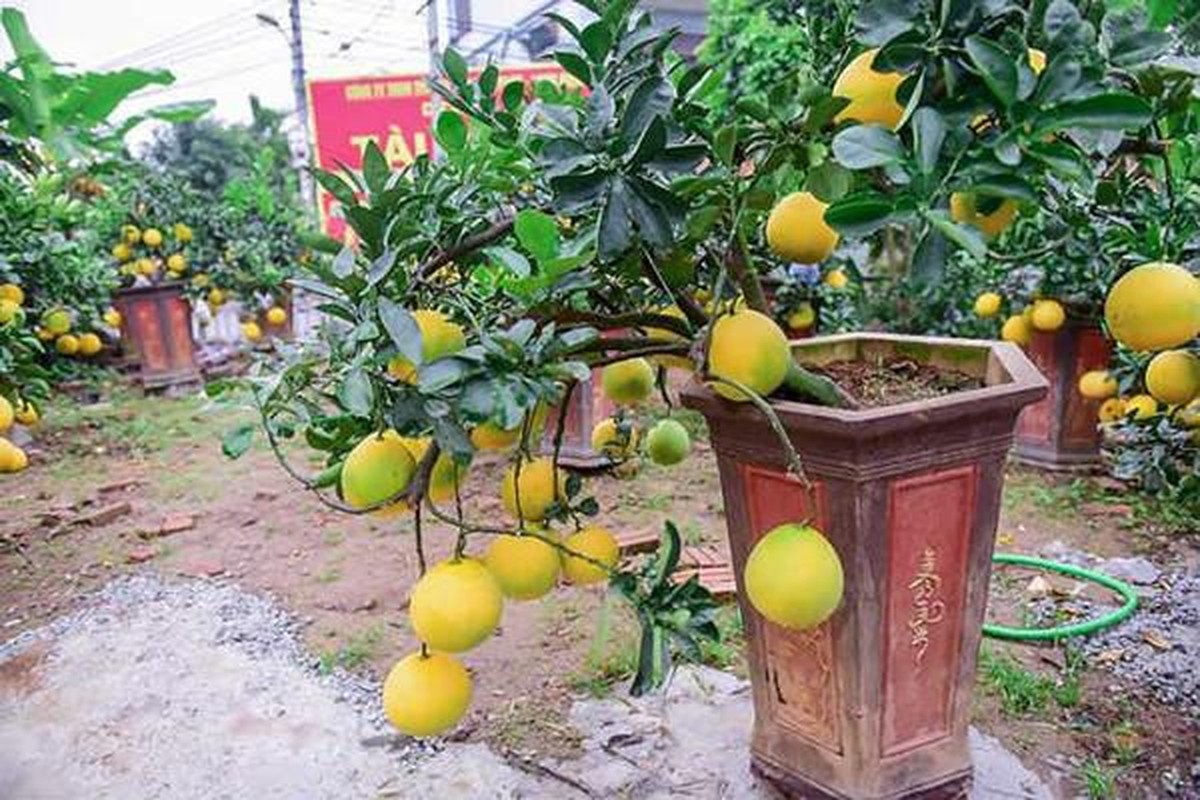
pixel 1039 586
pixel 1157 640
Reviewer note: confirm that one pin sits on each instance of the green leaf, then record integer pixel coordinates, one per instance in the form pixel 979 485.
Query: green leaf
pixel 1062 21
pixel 575 65
pixel 866 146
pixel 929 259
pixel 343 264
pixel 1008 186
pixel 337 187
pixel 356 394
pixel 965 236
pixel 513 95
pixel 650 219
pixel 652 98
pixel 402 329
pixel 455 67
pixel 995 66
pixel 653 140
pixel 670 545
pixel 375 169
pixel 596 41
pixel 488 79
pixel 929 132
pixel 511 260
pixel 1139 48
pixel 184 111
pixel 881 21
pixel 381 267
pixel 538 233
pixel 451 132
pixel 725 143
pixel 860 214
pixel 236 442
pixel 1114 111
pixel 615 233
pixel 830 181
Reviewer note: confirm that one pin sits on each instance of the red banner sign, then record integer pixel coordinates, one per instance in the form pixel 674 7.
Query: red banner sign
pixel 393 111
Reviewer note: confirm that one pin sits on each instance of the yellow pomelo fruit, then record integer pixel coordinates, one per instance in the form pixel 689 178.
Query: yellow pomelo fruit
pixel 836 279
pixel 121 252
pixel 276 315
pixel 1154 307
pixel 1111 410
pixel 538 488
pixel 455 605
pixel 803 317
pixel 152 237
pixel 378 467
pixel 201 280
pixel 1037 60
pixel 872 94
pixel 144 266
pixel 668 443
pixel 10 291
pixel 963 209
pixel 661 336
pixel 1097 384
pixel 440 337
pixel 490 436
pixel 251 331
pixel 57 321
pixel 8 311
pixel 176 262
pixel 131 234
pixel 987 305
pixel 1048 315
pixel 44 335
pixel 446 476
pixel 525 567
pixel 90 344
pixel 6 414
pixel 594 543
pixel 1173 377
pixel 216 297
pixel 793 577
pixel 1142 406
pixel 12 457
pixel 1017 330
pixel 797 231
pixel 751 349
pixel 67 344
pixel 1189 415
pixel 425 695
pixel 112 318
pixel 26 414
pixel 609 439
pixel 182 232
pixel 628 382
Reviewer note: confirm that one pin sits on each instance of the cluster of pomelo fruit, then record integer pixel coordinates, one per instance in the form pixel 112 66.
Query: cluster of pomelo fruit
pixel 55 325
pixel 143 253
pixel 1154 308
pixel 12 457
pixel 275 317
pixel 629 384
pixel 1042 315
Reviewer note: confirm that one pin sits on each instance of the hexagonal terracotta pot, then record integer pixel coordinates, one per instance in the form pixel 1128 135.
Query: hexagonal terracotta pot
pixel 586 406
pixel 1060 431
pixel 157 325
pixel 874 702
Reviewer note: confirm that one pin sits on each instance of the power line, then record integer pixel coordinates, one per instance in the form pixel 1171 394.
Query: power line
pixel 187 35
pixel 206 49
pixel 240 70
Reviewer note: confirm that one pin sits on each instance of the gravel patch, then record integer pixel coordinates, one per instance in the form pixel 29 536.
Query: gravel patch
pixel 157 689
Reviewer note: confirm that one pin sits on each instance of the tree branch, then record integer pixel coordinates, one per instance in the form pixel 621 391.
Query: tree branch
pixel 468 245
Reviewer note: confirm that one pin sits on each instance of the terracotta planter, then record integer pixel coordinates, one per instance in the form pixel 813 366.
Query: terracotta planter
pixel 586 407
pixel 1060 431
pixel 874 703
pixel 157 326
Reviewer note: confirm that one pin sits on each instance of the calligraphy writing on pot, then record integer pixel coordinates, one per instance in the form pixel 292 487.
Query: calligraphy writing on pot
pixel 928 608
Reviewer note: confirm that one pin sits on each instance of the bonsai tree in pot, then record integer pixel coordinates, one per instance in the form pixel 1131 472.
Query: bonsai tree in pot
pixel 487 284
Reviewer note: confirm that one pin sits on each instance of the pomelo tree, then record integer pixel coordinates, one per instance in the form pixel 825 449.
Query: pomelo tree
pixel 610 225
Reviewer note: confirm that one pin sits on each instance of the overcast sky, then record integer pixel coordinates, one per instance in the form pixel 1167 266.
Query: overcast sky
pixel 218 50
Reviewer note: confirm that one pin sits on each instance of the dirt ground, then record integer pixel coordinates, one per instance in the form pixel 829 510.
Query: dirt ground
pixel 163 498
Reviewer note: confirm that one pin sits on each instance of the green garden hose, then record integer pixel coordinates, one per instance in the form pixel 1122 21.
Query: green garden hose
pixel 1063 631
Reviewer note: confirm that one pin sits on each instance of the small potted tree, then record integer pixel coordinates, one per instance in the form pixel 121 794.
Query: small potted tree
pixel 861 472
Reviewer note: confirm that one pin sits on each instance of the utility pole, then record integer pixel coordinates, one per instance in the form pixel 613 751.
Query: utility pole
pixel 301 99
pixel 435 57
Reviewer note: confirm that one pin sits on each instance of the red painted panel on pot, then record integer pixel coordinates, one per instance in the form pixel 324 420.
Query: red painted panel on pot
pixel 801 680
pixel 1079 415
pixel 1036 421
pixel 179 323
pixel 150 335
pixel 929 528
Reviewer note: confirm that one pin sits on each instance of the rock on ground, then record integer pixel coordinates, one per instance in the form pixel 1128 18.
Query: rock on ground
pixel 196 689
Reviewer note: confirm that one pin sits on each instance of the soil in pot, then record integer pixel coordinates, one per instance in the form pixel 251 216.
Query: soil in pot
pixel 896 380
